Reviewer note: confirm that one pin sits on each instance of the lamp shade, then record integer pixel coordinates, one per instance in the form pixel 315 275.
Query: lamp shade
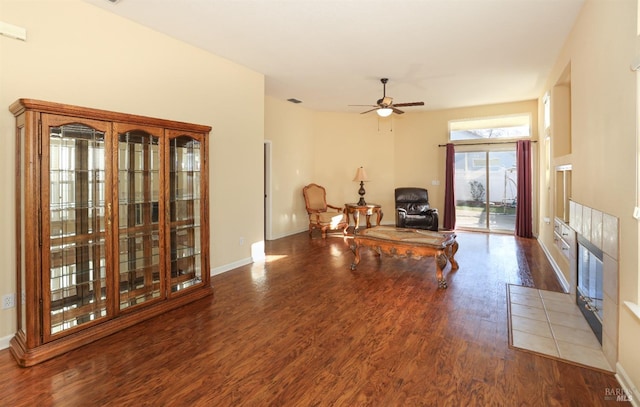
pixel 361 175
pixel 384 111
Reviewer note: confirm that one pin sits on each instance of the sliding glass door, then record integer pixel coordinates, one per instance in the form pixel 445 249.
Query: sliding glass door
pixel 486 188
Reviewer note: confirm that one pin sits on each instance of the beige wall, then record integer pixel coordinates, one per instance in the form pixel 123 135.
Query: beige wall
pixel 603 147
pixel 327 148
pixel 289 129
pixel 324 148
pixel 345 141
pixel 78 54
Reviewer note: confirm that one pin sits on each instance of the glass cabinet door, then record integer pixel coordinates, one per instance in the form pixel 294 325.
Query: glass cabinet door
pixel 139 243
pixel 74 208
pixel 185 213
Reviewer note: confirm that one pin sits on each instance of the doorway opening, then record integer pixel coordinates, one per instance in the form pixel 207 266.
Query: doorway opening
pixel 486 185
pixel 267 191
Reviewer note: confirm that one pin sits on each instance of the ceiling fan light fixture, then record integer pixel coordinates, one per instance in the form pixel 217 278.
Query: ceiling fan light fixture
pixel 385 106
pixel 384 112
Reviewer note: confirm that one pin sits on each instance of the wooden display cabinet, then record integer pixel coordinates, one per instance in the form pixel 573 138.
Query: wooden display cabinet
pixel 112 223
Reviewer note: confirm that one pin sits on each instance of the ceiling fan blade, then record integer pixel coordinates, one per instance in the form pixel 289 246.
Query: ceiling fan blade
pixel 385 101
pixel 409 104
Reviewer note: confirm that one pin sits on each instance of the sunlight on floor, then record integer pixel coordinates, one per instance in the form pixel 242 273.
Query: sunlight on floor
pixel 273 257
pixel 258 268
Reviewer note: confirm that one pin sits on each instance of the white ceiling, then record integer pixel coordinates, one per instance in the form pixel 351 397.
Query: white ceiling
pixel 332 53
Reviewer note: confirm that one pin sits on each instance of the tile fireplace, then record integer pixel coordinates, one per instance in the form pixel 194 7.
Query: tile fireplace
pixel 595 270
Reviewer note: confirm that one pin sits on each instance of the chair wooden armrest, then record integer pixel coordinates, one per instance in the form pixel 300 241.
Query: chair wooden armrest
pixel 339 209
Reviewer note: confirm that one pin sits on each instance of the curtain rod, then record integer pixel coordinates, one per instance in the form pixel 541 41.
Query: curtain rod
pixel 486 143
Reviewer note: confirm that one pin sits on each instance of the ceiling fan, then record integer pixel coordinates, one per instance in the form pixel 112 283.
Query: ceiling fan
pixel 385 106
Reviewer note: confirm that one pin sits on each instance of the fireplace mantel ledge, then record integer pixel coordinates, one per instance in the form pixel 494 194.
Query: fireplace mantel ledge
pixel 635 308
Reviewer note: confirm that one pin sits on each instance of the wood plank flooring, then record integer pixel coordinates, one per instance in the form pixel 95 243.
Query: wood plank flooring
pixel 303 330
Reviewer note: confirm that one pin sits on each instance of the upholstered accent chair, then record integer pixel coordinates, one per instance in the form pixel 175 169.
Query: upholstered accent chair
pixel 413 210
pixel 322 215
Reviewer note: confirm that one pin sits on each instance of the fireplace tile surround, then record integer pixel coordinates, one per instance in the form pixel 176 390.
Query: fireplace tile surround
pixel 602 230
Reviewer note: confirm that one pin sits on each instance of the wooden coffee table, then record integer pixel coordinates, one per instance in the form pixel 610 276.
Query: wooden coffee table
pixel 414 243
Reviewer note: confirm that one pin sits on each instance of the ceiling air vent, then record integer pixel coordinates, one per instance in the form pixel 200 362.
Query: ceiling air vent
pixel 292 100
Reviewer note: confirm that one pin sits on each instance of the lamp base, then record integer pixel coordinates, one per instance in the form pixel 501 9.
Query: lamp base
pixel 361 192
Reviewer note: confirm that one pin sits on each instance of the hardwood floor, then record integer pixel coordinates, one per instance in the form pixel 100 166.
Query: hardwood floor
pixel 303 330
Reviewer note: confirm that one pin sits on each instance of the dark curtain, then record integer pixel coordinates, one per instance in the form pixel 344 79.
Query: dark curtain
pixel 524 218
pixel 449 222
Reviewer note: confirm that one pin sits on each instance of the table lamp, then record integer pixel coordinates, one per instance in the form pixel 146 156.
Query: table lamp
pixel 361 177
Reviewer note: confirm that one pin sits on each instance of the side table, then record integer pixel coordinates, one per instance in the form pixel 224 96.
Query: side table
pixel 356 210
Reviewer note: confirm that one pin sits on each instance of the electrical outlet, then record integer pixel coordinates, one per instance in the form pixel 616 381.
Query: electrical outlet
pixel 8 301
pixel 241 241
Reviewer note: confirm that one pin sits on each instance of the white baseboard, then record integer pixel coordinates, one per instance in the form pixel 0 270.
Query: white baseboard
pixel 629 387
pixel 295 232
pixel 563 281
pixel 231 266
pixel 4 341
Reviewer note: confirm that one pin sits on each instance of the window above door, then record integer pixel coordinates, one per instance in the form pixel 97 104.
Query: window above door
pixel 516 126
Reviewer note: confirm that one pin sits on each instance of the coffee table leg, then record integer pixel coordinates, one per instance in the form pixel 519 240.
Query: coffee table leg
pixel 441 263
pixel 356 251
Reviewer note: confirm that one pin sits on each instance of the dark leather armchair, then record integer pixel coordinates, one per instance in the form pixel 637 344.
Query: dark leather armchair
pixel 413 210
